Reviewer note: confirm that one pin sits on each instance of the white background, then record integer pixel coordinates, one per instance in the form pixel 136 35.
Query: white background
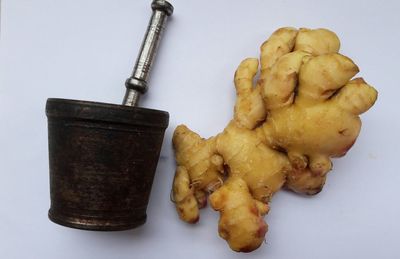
pixel 85 49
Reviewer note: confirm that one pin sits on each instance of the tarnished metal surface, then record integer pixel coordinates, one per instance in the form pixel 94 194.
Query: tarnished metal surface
pixel 103 156
pixel 102 162
pixel 137 83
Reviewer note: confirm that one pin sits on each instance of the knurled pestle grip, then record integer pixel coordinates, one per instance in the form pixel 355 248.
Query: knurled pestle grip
pixel 137 83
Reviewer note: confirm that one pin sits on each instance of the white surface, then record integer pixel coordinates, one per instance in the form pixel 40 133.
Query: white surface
pixel 86 49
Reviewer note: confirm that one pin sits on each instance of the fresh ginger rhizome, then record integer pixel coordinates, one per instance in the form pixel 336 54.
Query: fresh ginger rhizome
pixel 303 110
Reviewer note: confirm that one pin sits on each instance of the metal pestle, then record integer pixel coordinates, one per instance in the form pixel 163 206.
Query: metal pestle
pixel 137 83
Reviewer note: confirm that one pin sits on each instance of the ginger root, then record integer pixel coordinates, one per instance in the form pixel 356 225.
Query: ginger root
pixel 303 110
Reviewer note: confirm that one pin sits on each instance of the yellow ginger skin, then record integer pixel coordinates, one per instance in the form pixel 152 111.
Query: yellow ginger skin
pixel 241 222
pixel 303 110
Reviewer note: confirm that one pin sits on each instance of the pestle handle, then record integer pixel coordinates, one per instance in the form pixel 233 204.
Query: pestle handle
pixel 137 83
